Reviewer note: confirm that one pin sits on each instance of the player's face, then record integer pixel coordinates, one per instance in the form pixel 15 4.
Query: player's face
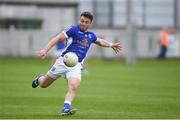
pixel 84 23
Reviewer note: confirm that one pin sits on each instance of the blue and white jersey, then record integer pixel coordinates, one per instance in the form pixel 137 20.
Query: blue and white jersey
pixel 81 41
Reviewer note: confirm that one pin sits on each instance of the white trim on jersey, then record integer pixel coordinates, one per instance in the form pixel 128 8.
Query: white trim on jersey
pixel 65 34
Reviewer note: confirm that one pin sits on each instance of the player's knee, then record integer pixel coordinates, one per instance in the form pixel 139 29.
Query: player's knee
pixel 73 87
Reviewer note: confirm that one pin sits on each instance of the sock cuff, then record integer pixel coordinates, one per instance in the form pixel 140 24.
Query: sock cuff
pixel 68 102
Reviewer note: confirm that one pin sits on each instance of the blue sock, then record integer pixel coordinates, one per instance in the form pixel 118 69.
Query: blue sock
pixel 67 106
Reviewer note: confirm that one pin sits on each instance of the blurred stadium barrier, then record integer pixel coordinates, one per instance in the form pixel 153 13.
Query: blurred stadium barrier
pixel 26 26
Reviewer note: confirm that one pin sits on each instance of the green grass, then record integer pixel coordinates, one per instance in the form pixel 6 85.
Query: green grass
pixel 112 90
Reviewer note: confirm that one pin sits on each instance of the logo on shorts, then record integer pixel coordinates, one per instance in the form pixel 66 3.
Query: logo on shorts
pixel 53 69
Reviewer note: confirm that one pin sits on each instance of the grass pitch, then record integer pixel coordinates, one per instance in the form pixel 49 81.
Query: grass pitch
pixel 112 90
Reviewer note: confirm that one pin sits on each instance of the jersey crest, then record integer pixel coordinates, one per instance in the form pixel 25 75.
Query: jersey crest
pixel 84 43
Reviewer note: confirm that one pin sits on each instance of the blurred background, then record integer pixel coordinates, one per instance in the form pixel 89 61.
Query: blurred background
pixel 110 90
pixel 27 25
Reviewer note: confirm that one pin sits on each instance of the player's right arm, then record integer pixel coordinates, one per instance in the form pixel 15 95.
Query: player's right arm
pixel 42 53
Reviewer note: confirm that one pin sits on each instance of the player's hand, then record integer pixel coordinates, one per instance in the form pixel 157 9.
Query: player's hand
pixel 41 54
pixel 116 47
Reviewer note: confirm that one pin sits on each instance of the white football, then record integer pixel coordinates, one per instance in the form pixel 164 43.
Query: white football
pixel 70 59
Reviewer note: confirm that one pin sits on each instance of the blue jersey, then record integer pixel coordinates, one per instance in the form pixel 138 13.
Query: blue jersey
pixel 60 45
pixel 81 41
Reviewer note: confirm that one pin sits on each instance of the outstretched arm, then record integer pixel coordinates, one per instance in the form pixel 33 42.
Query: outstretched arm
pixel 104 43
pixel 42 53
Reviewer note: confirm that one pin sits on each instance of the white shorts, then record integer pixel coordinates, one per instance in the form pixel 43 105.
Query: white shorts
pixel 60 69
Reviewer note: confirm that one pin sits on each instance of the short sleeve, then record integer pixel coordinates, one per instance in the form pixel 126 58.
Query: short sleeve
pixel 70 31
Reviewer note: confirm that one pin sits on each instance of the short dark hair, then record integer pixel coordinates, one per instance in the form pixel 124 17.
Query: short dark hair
pixel 87 14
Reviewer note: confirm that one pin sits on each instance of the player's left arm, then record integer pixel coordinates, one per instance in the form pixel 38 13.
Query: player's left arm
pixel 104 43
